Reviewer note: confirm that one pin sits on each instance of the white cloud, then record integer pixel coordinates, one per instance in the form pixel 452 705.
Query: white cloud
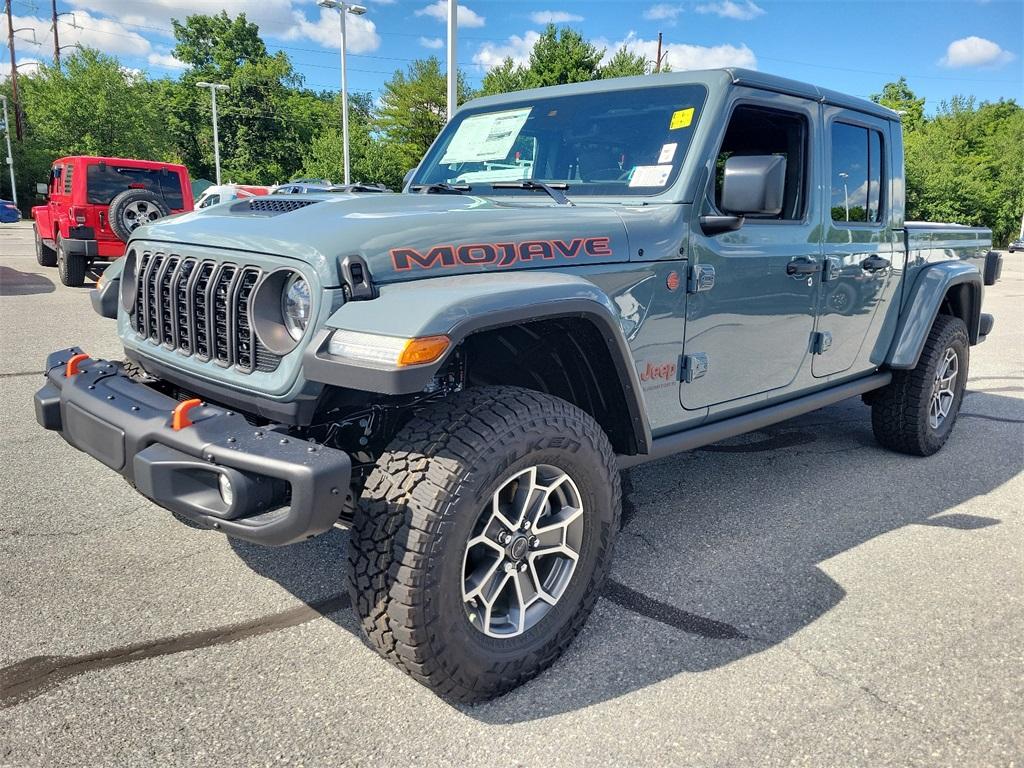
pixel 553 17
pixel 516 48
pixel 166 61
pixel 728 9
pixel 89 31
pixel 25 67
pixel 681 56
pixel 439 10
pixel 663 12
pixel 360 33
pixel 274 17
pixel 434 43
pixel 975 52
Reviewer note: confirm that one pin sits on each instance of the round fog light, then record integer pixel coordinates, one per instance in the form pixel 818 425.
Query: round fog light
pixel 226 492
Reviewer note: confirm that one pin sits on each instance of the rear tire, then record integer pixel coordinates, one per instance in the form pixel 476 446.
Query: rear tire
pixel 916 411
pixel 45 255
pixel 70 266
pixel 415 568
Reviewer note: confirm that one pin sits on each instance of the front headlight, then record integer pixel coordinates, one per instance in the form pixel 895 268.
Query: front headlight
pixel 389 351
pixel 296 305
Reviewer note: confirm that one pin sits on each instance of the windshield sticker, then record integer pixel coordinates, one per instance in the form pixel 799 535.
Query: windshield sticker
pixel 668 151
pixel 485 137
pixel 650 176
pixel 681 119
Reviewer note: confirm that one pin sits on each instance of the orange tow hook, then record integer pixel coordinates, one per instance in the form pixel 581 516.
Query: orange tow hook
pixel 179 417
pixel 72 367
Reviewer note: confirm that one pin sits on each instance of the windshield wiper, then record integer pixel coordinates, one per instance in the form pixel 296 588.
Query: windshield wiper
pixel 554 190
pixel 442 186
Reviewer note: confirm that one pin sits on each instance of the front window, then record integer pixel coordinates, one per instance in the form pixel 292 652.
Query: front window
pixel 108 181
pixel 629 142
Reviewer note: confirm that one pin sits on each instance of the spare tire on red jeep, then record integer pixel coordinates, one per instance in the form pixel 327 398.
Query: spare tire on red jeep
pixel 133 208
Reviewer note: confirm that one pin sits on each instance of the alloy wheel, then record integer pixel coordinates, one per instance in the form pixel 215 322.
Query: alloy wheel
pixel 523 551
pixel 943 388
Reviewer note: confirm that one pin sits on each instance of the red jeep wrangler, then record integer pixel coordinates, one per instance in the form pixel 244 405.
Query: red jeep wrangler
pixel 94 204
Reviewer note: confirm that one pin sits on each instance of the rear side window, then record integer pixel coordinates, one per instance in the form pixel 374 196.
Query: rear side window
pixel 755 130
pixel 68 171
pixel 105 182
pixel 856 174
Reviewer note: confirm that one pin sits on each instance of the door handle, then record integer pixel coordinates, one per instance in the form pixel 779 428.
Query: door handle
pixel 874 264
pixel 802 266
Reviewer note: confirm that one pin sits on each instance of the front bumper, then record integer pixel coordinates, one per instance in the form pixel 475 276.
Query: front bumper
pixel 283 489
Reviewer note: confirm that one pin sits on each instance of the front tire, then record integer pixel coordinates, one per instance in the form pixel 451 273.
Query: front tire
pixel 477 498
pixel 45 255
pixel 916 412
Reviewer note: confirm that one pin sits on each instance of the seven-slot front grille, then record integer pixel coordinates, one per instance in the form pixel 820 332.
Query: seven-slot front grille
pixel 200 307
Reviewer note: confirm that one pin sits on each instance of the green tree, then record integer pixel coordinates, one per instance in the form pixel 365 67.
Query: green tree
pixel 900 97
pixel 505 78
pixel 562 56
pixel 413 109
pixel 624 64
pixel 261 128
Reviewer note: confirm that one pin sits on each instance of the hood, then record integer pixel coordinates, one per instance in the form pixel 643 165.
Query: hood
pixel 403 236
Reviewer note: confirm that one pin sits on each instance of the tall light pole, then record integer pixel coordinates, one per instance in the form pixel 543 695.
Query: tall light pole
pixel 214 87
pixel 453 67
pixel 343 9
pixel 10 157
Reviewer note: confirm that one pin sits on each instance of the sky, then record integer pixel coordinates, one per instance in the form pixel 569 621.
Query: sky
pixel 968 47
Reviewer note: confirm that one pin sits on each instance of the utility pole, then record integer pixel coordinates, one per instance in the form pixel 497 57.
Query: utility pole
pixel 14 73
pixel 344 8
pixel 453 67
pixel 10 157
pixel 56 39
pixel 657 63
pixel 214 87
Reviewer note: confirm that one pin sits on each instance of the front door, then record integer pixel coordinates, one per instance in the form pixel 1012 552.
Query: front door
pixel 750 332
pixel 858 248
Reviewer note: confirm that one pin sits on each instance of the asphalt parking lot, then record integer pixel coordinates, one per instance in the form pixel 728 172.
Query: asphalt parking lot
pixel 798 596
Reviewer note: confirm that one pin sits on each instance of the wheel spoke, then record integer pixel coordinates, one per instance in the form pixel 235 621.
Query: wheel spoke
pixel 482 585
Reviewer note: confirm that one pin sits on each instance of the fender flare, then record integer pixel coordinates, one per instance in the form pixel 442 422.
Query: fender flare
pixel 922 307
pixel 460 306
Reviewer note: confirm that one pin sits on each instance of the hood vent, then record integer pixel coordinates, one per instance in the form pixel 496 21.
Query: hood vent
pixel 271 205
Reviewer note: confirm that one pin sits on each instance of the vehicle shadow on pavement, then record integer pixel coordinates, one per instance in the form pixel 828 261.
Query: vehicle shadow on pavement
pixel 721 549
pixel 13 282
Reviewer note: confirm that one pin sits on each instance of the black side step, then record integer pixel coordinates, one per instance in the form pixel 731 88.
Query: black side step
pixel 748 422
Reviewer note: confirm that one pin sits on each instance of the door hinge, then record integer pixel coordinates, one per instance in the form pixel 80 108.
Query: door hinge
pixel 820 342
pixel 701 278
pixel 694 366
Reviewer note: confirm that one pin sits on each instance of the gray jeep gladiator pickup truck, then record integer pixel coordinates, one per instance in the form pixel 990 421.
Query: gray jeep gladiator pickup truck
pixel 574 280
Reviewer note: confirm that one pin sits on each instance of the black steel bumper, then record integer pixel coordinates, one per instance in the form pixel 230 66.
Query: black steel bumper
pixel 75 246
pixel 283 489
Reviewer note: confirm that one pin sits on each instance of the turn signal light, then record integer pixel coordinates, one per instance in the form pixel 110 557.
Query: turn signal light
pixel 424 350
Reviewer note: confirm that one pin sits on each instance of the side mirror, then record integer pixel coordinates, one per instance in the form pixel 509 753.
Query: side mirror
pixel 754 185
pixel 408 177
pixel 42 189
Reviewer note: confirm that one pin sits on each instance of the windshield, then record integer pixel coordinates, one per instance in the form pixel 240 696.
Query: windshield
pixel 629 142
pixel 105 182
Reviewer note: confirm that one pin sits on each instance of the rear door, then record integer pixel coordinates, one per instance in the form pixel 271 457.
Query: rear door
pixel 859 247
pixel 106 180
pixel 749 333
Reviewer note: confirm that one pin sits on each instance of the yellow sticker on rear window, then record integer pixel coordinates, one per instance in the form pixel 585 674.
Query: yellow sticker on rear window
pixel 681 119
